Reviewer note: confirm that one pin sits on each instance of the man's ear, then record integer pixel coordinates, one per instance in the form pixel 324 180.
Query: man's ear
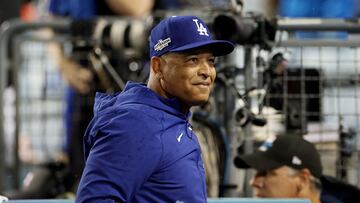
pixel 304 176
pixel 155 65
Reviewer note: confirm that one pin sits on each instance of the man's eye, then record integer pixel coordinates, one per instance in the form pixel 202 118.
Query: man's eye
pixel 193 60
pixel 212 61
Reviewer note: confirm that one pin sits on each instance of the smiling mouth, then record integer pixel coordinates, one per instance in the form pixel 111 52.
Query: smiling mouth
pixel 203 84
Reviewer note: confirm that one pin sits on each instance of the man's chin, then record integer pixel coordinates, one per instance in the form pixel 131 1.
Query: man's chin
pixel 198 102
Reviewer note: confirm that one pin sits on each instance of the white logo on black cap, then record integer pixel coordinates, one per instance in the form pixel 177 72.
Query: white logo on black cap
pixel 296 161
pixel 200 28
pixel 162 44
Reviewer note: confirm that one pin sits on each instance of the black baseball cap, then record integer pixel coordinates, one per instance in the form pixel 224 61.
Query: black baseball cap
pixel 286 150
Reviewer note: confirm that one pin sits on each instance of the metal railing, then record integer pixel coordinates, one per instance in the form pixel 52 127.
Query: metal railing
pixel 8 31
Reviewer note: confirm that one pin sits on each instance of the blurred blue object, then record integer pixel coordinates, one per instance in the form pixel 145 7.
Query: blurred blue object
pixel 256 200
pixel 211 200
pixel 41 201
pixel 319 9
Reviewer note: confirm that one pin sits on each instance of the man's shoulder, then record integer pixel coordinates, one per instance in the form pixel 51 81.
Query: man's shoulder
pixel 140 111
pixel 334 189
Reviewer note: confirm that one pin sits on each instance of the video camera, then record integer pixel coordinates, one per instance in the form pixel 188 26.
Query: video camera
pixel 252 29
pixel 128 36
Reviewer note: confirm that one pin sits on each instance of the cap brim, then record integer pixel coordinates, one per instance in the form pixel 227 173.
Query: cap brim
pixel 217 47
pixel 257 160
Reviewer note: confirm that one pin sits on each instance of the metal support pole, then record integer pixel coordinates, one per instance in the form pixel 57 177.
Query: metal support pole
pixel 351 26
pixel 319 24
pixel 248 138
pixel 233 181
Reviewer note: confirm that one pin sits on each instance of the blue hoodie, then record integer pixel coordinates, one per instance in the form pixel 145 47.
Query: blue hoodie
pixel 139 147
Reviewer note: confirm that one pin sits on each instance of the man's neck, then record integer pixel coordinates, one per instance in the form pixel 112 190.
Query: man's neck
pixel 311 194
pixel 315 198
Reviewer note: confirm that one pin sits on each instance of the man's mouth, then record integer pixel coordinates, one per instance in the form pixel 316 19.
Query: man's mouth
pixel 203 84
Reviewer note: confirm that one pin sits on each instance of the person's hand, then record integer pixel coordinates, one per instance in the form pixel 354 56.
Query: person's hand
pixel 76 75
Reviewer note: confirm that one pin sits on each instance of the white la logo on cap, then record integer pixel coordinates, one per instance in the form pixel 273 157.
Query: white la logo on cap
pixel 296 161
pixel 200 28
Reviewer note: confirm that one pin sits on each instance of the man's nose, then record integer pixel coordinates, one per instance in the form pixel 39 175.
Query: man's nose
pixel 205 69
pixel 257 182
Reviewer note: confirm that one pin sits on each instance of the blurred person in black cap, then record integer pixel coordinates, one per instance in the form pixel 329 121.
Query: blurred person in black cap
pixel 290 167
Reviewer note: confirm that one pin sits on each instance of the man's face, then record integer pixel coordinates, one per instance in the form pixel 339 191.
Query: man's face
pixel 188 76
pixel 277 183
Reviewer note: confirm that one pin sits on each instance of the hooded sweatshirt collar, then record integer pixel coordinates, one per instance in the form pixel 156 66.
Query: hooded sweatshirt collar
pixel 139 93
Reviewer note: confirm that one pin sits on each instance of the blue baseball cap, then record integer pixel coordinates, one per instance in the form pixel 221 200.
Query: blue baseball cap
pixel 184 33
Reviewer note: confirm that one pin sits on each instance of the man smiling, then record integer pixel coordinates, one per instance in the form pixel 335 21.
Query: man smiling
pixel 140 146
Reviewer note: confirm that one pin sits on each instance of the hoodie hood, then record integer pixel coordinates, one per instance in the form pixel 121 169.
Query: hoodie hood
pixel 136 93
